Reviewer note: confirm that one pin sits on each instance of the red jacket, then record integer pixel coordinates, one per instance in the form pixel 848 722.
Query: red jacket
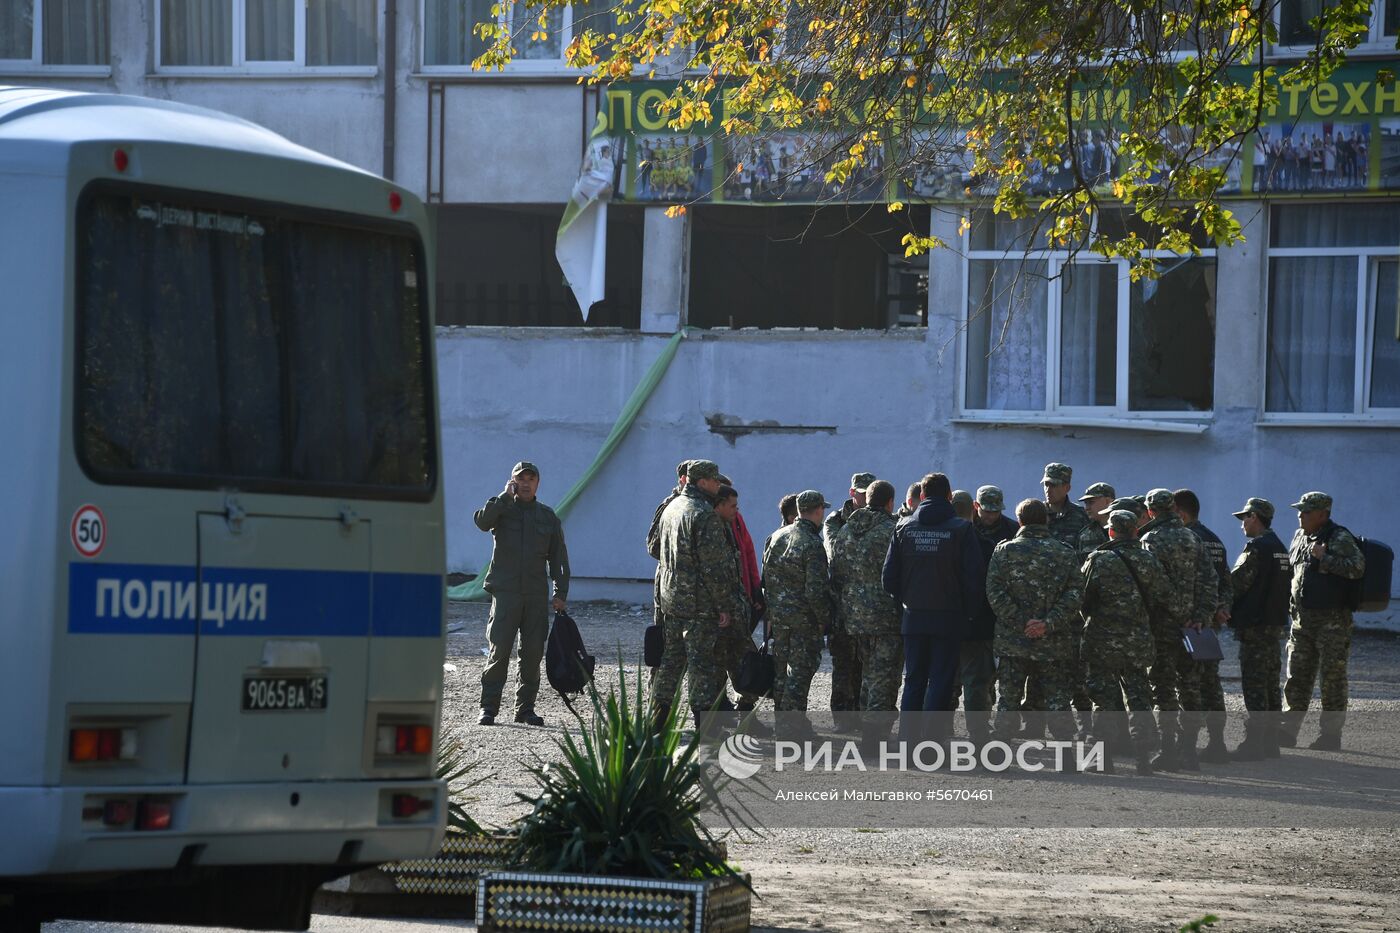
pixel 748 558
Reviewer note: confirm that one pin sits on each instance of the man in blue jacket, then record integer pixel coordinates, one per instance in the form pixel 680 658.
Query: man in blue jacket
pixel 934 568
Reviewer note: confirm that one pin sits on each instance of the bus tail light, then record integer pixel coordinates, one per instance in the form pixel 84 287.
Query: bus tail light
pixel 403 739
pixel 154 814
pixel 406 806
pixel 96 745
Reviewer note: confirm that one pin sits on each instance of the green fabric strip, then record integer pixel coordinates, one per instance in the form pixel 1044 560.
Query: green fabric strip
pixel 472 589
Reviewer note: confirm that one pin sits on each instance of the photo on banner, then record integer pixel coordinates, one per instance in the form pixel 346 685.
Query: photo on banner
pixel 793 167
pixel 1312 157
pixel 670 167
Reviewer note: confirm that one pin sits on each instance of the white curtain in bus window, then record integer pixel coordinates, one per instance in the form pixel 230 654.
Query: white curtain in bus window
pixel 234 346
pixel 342 32
pixel 76 32
pixel 196 32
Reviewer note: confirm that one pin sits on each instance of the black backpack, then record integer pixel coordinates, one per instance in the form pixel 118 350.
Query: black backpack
pixel 1373 594
pixel 567 663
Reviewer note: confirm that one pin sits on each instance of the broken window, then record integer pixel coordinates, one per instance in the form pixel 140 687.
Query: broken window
pixel 837 267
pixel 496 266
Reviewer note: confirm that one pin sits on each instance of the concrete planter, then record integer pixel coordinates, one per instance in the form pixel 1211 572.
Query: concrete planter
pixel 526 901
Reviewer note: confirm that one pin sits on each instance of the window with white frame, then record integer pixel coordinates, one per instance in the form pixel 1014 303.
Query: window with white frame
pixel 1295 22
pixel 1051 331
pixel 450 40
pixel 54 33
pixel 268 35
pixel 1333 344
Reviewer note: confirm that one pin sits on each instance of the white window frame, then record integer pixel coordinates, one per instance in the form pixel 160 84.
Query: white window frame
pixel 517 66
pixel 1376 42
pixel 1367 258
pixel 1054 410
pixel 241 66
pixel 35 63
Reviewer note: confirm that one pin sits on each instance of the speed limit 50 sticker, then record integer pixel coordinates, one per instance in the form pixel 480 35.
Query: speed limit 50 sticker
pixel 88 531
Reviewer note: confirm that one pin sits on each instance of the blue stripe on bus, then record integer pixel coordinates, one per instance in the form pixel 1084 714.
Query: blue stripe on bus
pixel 152 599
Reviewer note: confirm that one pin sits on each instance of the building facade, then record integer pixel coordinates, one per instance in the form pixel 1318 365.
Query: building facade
pixel 813 348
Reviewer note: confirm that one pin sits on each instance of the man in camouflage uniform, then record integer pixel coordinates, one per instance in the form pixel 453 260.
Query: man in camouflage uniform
pixel 1067 523
pixel 798 591
pixel 1096 499
pixel 1327 560
pixel 1122 585
pixel 1033 584
pixel 870 614
pixel 977 664
pixel 1175 676
pixel 845 661
pixel 1261 581
pixel 666 676
pixel 1188 507
pixel 700 584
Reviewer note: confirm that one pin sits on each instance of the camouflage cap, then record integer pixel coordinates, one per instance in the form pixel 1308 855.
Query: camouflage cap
pixel 702 469
pixel 1136 506
pixel 725 480
pixel 990 499
pixel 683 468
pixel 1121 521
pixel 1261 507
pixel 1161 500
pixel 809 499
pixel 860 482
pixel 1312 501
pixel 1098 489
pixel 1057 473
pixel 525 466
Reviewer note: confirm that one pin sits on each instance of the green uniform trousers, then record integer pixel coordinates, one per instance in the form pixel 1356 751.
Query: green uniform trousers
pixel 1319 648
pixel 515 617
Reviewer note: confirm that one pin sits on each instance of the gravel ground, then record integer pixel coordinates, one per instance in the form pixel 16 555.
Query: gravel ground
pixel 1283 878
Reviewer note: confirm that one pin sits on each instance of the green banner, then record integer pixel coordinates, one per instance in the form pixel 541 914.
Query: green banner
pixel 1336 137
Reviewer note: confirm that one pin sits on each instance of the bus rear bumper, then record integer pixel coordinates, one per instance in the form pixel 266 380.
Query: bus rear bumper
pixel 73 830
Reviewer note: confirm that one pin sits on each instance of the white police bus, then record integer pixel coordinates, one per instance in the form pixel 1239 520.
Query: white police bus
pixel 221 594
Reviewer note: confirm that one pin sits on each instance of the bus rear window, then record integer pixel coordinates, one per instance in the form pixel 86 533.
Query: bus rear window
pixel 226 343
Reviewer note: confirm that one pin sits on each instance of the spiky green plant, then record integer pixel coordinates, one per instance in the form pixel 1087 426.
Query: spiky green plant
pixel 625 798
pixel 455 767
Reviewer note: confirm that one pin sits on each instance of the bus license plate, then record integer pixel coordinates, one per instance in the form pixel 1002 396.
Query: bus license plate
pixel 272 694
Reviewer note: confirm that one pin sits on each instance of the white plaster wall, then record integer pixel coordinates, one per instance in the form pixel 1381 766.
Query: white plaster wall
pixel 551 396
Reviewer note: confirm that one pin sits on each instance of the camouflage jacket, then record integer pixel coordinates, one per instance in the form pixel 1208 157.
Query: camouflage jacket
pixel 1189 572
pixel 699 572
pixel 795 581
pixel 1091 537
pixel 1033 576
pixel 1117 611
pixel 834 523
pixel 1343 560
pixel 654 532
pixel 858 559
pixel 1066 524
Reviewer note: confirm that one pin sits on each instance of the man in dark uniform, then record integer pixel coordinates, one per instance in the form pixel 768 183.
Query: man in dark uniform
pixel 934 568
pixel 1188 506
pixel 528 551
pixel 1260 583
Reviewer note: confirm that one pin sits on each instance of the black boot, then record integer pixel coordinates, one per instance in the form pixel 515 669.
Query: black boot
pixel 1166 759
pixel 1327 742
pixel 1252 748
pixel 1186 748
pixel 1215 752
pixel 1288 725
pixel 1269 742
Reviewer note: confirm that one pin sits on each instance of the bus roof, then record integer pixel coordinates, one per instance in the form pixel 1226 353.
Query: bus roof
pixel 54 117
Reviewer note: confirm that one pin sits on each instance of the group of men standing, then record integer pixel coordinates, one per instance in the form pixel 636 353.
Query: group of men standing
pixel 1090 609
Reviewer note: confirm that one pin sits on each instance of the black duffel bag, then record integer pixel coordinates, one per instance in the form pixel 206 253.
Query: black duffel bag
pixel 653 645
pixel 757 670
